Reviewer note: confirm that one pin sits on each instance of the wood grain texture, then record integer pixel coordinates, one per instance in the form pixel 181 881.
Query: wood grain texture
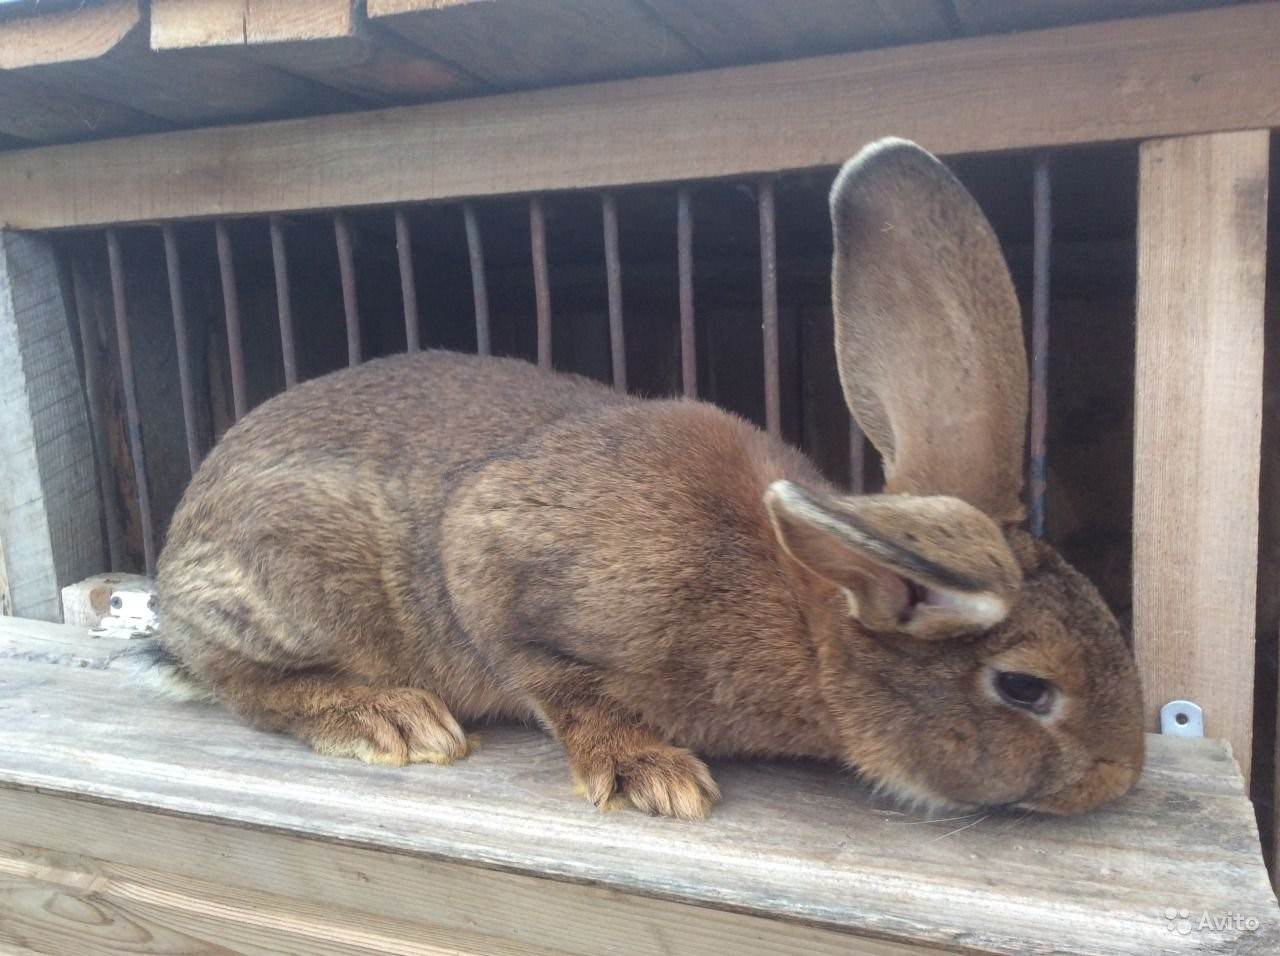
pixel 1197 423
pixel 49 517
pixel 83 32
pixel 990 16
pixel 525 43
pixel 225 824
pixel 1193 72
pixel 725 32
pixel 323 41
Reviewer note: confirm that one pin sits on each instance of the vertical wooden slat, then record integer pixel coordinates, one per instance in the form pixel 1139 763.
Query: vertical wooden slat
pixel 1042 219
pixel 541 278
pixel 1197 418
pixel 613 279
pixel 284 303
pixel 94 391
pixel 231 306
pixel 479 288
pixel 408 285
pixel 178 303
pixel 347 272
pixel 133 420
pixel 684 256
pixel 769 307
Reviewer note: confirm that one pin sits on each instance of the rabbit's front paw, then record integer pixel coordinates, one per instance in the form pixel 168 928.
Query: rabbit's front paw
pixel 657 779
pixel 395 725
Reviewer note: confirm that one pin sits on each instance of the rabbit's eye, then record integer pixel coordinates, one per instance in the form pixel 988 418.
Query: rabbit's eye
pixel 1024 690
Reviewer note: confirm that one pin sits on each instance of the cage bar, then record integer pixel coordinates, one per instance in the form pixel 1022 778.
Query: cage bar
pixel 769 308
pixel 613 278
pixel 1042 217
pixel 857 459
pixel 541 280
pixel 479 289
pixel 231 307
pixel 178 304
pixel 133 420
pixel 684 255
pixel 347 272
pixel 284 306
pixel 93 378
pixel 408 287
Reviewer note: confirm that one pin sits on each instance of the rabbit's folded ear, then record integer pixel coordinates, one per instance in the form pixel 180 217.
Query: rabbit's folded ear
pixel 928 330
pixel 931 567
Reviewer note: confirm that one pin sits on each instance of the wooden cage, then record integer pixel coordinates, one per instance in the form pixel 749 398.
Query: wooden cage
pixel 206 202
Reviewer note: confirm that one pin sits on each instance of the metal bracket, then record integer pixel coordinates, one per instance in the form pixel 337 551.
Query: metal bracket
pixel 1182 718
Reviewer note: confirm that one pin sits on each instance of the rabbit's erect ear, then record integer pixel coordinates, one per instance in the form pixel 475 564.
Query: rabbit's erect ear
pixel 932 567
pixel 928 330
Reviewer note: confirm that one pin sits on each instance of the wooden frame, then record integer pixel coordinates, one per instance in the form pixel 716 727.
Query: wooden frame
pixel 1190 73
pixel 1202 250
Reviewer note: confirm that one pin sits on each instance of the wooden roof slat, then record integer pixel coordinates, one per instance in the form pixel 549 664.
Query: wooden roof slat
pixel 85 32
pixel 34 114
pixel 526 43
pixel 1195 72
pixel 993 16
pixel 325 41
pixel 734 31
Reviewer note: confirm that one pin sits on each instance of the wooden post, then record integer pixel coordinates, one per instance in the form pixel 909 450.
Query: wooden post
pixel 49 508
pixel 1197 417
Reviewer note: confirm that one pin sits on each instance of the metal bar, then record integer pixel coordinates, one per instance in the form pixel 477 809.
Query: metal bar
pixel 280 264
pixel 541 280
pixel 231 305
pixel 89 347
pixel 684 254
pixel 613 278
pixel 479 291
pixel 408 288
pixel 347 270
pixel 769 308
pixel 1042 211
pixel 133 420
pixel 177 301
pixel 857 459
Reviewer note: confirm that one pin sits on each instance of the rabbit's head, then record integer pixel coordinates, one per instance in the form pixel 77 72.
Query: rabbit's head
pixel 963 661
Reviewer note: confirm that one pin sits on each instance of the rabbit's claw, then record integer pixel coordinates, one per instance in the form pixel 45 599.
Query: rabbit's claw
pixel 658 779
pixel 393 726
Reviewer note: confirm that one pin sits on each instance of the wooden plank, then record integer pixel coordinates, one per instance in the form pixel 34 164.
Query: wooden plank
pixel 991 16
pixel 49 512
pixel 1197 423
pixel 525 43
pixel 741 31
pixel 84 32
pixel 41 114
pixel 1194 72
pixel 323 41
pixel 497 847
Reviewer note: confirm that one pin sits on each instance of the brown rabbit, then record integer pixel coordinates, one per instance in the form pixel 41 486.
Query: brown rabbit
pixel 379 554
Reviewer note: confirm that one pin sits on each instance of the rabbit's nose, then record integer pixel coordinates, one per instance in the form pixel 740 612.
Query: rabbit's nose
pixel 1105 780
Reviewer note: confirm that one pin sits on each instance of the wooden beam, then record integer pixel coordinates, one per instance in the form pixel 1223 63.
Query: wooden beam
pixel 1196 72
pixel 510 44
pixel 84 32
pixel 744 31
pixel 322 40
pixel 49 512
pixel 1202 212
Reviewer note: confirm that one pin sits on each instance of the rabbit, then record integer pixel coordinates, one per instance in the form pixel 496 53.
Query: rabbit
pixel 380 556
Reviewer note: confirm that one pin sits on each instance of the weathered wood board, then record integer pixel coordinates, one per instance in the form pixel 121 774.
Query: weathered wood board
pixel 130 823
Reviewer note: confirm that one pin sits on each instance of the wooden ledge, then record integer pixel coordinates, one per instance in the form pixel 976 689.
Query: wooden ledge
pixel 122 817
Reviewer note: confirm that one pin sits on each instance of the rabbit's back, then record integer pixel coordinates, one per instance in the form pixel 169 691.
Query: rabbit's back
pixel 310 536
